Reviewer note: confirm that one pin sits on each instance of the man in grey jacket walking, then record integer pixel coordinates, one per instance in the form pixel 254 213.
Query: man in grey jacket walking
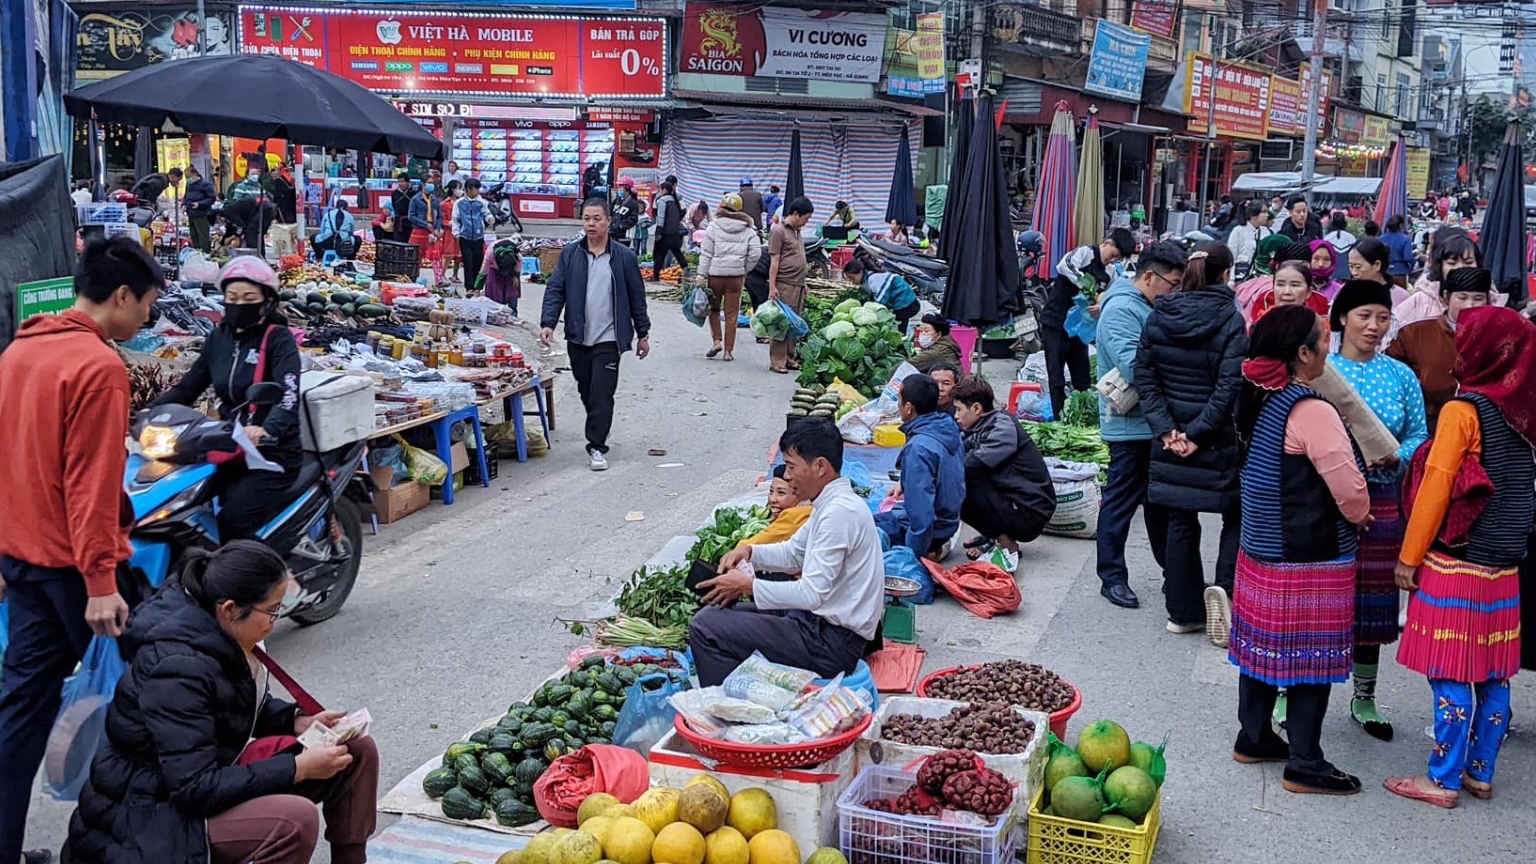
pixel 598 286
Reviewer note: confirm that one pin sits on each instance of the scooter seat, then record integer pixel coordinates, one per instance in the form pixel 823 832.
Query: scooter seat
pixel 308 475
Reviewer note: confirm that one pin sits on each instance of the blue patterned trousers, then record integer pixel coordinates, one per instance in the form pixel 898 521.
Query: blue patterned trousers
pixel 1468 731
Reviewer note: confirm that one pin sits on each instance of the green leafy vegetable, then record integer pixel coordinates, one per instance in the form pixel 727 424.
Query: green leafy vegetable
pixel 659 595
pixel 1068 442
pixel 1082 409
pixel 731 526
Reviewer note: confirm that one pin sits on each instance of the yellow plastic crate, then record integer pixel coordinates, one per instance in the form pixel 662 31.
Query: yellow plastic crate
pixel 1054 840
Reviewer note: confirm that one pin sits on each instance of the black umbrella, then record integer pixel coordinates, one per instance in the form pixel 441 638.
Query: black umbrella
pixel 959 149
pixel 983 267
pixel 794 181
pixel 1503 235
pixel 902 204
pixel 254 96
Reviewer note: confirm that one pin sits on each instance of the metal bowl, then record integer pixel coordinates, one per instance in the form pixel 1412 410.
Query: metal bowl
pixel 897 586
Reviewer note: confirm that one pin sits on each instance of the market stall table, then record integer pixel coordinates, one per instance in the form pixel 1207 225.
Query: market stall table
pixel 441 424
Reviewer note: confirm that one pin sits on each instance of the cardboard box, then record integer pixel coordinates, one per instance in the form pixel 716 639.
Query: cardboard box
pixel 806 798
pixel 458 458
pixel 395 502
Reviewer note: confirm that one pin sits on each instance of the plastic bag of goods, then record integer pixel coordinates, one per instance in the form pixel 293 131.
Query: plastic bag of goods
pixel 770 322
pixel 559 791
pixel 647 712
pixel 422 466
pixel 828 711
pixel 1077 499
pixel 81 720
pixel 770 684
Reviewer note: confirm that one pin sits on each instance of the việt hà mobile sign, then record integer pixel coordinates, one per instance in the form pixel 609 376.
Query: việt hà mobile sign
pixel 44 297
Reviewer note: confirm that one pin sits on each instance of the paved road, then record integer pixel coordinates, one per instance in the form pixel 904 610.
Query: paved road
pixel 454 618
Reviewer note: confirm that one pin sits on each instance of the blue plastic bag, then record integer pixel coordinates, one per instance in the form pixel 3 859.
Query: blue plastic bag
pixel 797 326
pixel 902 561
pixel 82 717
pixel 696 307
pixel 648 713
pixel 1079 323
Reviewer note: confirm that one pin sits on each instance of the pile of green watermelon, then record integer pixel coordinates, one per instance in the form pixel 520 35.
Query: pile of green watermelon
pixel 1106 779
pixel 491 775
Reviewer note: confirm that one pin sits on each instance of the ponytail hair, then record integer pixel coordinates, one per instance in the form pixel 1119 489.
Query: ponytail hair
pixel 1207 264
pixel 243 572
pixel 1273 347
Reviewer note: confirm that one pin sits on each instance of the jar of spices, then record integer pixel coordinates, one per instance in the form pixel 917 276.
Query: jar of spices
pixel 456 356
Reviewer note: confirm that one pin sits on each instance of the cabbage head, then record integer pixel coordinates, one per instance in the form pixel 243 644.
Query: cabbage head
pixel 866 318
pixel 846 306
pixel 839 330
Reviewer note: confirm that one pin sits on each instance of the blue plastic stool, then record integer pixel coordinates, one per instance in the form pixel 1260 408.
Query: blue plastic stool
pixel 860 681
pixel 442 428
pixel 329 258
pixel 531 266
pixel 514 410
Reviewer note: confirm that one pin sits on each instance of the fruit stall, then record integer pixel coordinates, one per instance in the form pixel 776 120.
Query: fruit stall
pixel 621 756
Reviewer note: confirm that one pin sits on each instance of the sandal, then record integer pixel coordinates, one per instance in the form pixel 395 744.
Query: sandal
pixel 792 366
pixel 977 547
pixel 727 358
pixel 1476 788
pixel 778 370
pixel 713 352
pixel 1410 788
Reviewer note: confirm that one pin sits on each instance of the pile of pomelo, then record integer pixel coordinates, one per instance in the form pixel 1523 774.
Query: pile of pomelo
pixel 702 823
pixel 1106 779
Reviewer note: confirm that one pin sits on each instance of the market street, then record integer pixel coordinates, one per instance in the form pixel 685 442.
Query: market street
pixel 453 620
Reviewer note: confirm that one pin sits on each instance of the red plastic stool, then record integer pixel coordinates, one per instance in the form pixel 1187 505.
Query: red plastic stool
pixel 1020 387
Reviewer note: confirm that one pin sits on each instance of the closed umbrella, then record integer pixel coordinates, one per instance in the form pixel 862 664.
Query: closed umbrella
pixel 1503 234
pixel 1088 216
pixel 1393 197
pixel 1055 192
pixel 794 181
pixel 959 149
pixel 254 96
pixel 983 280
pixel 902 204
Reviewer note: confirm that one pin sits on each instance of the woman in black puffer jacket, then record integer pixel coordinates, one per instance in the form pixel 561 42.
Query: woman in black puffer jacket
pixel 167 785
pixel 1188 370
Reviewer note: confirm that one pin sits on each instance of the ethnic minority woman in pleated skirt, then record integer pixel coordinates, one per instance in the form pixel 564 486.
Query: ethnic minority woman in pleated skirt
pixel 1293 604
pixel 1362 315
pixel 1462 551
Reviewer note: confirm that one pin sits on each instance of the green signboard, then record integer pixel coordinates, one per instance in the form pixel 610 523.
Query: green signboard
pixel 48 296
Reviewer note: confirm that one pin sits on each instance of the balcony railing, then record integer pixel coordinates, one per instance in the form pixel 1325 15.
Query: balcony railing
pixel 1018 24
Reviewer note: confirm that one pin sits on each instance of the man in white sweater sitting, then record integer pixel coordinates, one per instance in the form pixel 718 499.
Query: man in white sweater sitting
pixel 826 620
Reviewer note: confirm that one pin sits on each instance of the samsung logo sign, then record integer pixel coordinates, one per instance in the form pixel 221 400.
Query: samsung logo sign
pixel 365 66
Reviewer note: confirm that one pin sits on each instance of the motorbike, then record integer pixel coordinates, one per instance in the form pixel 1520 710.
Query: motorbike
pixel 501 207
pixel 818 263
pixel 169 482
pixel 926 275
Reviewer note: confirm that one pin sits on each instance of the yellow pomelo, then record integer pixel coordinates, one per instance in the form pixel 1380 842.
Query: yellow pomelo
pixel 657 808
pixel 752 811
pixel 703 808
pixel 594 805
pixel 827 855
pixel 599 826
pixel 679 843
pixel 513 857
pixel 538 849
pixel 577 847
pixel 619 811
pixel 774 847
pixel 629 841
pixel 725 846
pixel 711 782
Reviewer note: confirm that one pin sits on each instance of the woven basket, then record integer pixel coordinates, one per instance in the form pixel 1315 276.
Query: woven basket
pixel 773 757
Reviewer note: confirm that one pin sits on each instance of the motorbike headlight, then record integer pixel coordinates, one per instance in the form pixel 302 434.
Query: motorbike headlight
pixel 184 499
pixel 159 442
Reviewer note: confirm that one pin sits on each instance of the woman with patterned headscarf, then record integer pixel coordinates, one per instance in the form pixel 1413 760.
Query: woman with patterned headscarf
pixel 1471 501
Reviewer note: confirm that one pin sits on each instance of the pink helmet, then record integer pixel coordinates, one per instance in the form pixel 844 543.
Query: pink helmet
pixel 249 268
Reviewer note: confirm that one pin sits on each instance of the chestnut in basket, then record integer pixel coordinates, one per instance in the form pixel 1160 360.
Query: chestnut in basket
pixel 982 728
pixel 982 790
pixel 916 802
pixel 937 768
pixel 1012 682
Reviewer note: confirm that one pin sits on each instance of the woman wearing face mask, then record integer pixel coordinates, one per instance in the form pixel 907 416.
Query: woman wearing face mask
pixel 252 345
pixel 426 220
pixel 173 779
pixel 1324 262
pixel 1362 315
pixel 934 343
pixel 1429 347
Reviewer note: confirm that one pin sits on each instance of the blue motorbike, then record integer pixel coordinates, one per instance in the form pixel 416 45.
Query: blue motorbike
pixel 170 482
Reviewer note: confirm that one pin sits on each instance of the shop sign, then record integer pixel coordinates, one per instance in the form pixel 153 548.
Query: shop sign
pixel 468 53
pixel 1155 18
pixel 921 51
pixel 631 116
pixel 1376 132
pixel 1285 106
pixel 1118 63
pixel 1241 98
pixel 1418 172
pixel 113 39
pixel 1348 126
pixel 1322 99
pixel 783 42
pixel 563 4
pixel 46 297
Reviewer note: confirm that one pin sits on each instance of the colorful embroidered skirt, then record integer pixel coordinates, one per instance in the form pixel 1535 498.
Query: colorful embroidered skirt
pixel 1376 597
pixel 1294 623
pixel 1463 622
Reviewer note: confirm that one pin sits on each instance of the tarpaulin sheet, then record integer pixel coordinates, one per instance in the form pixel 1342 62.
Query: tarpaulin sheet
pixel 37 228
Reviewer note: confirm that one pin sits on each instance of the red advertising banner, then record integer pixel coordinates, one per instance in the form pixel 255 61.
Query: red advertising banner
pixel 431 53
pixel 1242 98
pixel 1287 104
pixel 1155 16
pixel 1322 99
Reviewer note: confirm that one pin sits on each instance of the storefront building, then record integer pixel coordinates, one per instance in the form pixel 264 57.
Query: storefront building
pixel 526 100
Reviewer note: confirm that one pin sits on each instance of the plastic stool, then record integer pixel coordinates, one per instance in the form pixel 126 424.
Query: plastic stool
pixel 442 429
pixel 861 681
pixel 1017 389
pixel 531 266
pixel 330 258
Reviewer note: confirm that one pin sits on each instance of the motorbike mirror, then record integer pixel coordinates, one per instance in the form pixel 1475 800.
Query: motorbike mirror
pixel 265 394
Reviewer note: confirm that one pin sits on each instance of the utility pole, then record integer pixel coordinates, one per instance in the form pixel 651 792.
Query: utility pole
pixel 1210 120
pixel 1314 96
pixel 202 29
